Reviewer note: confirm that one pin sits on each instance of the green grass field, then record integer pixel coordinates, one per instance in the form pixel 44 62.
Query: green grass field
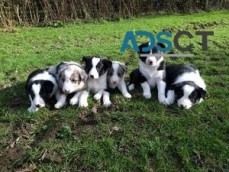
pixel 133 135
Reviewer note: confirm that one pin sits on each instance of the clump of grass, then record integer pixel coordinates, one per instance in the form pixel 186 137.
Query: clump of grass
pixel 64 132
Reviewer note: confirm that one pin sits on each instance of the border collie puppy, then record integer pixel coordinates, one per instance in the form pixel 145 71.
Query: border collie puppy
pixel 184 84
pixel 150 69
pixel 96 68
pixel 41 86
pixel 115 78
pixel 71 79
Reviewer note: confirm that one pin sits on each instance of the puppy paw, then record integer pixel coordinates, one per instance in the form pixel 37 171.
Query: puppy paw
pixel 32 109
pixel 107 104
pixel 169 102
pixel 58 105
pixel 83 104
pixel 97 96
pixel 165 102
pixel 147 96
pixel 73 101
pixel 127 95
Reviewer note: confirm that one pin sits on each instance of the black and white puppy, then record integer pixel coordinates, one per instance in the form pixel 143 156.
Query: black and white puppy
pixel 150 69
pixel 116 78
pixel 184 84
pixel 96 68
pixel 41 86
pixel 71 78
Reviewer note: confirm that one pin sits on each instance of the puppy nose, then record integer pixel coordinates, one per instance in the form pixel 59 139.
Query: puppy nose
pixel 66 91
pixel 37 105
pixel 92 76
pixel 114 82
pixel 183 106
pixel 150 62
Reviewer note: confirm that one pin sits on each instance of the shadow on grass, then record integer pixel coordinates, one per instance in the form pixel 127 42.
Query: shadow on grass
pixel 16 98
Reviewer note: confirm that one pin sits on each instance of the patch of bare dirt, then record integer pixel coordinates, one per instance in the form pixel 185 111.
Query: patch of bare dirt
pixel 9 156
pixel 51 156
pixel 16 101
pixel 47 134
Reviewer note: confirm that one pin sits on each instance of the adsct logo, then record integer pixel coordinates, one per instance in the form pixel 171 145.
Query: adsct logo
pixel 130 36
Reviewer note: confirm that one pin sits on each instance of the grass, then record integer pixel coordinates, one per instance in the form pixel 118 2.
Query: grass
pixel 133 135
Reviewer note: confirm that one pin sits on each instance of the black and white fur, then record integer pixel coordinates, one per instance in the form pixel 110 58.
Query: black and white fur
pixel 184 84
pixel 116 78
pixel 150 70
pixel 41 86
pixel 71 78
pixel 96 68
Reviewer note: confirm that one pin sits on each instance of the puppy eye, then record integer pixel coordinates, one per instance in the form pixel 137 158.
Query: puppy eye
pixel 74 80
pixel 119 74
pixel 99 66
pixel 63 79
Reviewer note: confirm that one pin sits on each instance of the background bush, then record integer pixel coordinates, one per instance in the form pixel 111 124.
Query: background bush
pixel 14 12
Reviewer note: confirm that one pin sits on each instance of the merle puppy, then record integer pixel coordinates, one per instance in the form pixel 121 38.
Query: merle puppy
pixel 150 70
pixel 116 78
pixel 96 68
pixel 183 83
pixel 71 78
pixel 41 86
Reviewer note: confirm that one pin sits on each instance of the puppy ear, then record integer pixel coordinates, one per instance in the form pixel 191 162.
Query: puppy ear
pixel 140 47
pixel 60 67
pixel 48 86
pixel 28 85
pixel 124 67
pixel 161 45
pixel 85 59
pixel 83 75
pixel 176 86
pixel 202 92
pixel 58 75
pixel 143 58
pixel 107 63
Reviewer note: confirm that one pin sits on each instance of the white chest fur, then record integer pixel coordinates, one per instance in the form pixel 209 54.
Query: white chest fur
pixel 96 85
pixel 151 73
